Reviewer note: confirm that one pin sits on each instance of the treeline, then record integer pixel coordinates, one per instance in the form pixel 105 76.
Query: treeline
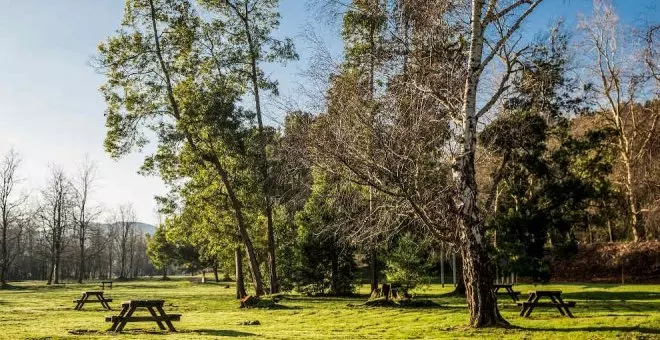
pixel 59 233
pixel 443 127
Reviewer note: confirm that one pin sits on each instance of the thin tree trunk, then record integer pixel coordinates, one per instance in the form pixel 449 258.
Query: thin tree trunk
pixel 5 254
pixel 374 270
pixel 459 290
pixel 240 282
pixel 215 273
pixel 270 233
pixel 81 268
pixel 334 271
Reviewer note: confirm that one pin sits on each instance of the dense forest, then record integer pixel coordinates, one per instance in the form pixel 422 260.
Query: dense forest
pixel 446 131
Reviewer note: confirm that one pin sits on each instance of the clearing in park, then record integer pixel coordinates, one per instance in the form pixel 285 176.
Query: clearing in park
pixel 33 310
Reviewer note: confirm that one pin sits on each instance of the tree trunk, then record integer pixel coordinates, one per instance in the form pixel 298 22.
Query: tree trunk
pixel 477 271
pixel 5 255
pixel 81 265
pixel 635 218
pixel 263 164
pixel 240 283
pixel 374 270
pixel 50 271
pixel 334 264
pixel 215 273
pixel 459 290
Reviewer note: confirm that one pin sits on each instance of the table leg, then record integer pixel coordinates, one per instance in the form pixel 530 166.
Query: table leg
pixel 512 294
pixel 153 313
pixel 104 303
pixel 524 308
pixel 84 299
pixel 122 312
pixel 568 311
pixel 531 307
pixel 123 323
pixel 78 303
pixel 559 305
pixel 167 322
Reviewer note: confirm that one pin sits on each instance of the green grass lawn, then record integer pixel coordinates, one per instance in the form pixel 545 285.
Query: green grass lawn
pixel 35 311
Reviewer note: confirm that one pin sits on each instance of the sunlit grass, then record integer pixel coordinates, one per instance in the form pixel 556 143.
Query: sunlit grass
pixel 32 310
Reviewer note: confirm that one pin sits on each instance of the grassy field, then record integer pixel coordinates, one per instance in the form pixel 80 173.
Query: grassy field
pixel 35 311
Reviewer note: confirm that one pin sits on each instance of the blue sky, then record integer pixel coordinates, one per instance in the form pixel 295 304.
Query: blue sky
pixel 51 111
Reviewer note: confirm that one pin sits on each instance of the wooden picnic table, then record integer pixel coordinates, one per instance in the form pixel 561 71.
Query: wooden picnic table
pixel 103 283
pixel 554 295
pixel 508 289
pixel 155 308
pixel 85 298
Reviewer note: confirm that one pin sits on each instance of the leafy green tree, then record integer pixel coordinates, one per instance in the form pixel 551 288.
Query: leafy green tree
pixel 410 261
pixel 161 77
pixel 160 250
pixel 327 263
pixel 247 26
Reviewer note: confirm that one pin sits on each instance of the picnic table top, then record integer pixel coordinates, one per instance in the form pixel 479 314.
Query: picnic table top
pixel 144 303
pixel 93 292
pixel 106 281
pixel 546 292
pixel 502 285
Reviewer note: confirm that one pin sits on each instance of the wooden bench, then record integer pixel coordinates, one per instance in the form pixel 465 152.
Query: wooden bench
pixel 557 302
pixel 85 298
pixel 103 283
pixel 155 308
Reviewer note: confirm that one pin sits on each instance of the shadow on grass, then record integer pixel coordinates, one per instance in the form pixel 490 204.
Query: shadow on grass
pixel 643 330
pixel 9 287
pixel 221 332
pixel 620 296
pixel 596 308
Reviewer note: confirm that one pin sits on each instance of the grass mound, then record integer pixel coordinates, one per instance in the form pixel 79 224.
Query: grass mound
pixel 251 301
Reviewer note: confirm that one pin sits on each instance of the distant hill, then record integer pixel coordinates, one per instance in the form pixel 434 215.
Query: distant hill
pixel 145 228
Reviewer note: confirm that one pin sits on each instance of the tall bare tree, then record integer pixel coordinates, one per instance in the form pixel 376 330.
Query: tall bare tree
pixel 84 213
pixel 125 230
pixel 10 212
pixel 55 213
pixel 624 77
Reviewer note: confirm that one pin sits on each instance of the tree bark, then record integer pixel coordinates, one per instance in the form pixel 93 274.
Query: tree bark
pixel 5 253
pixel 374 270
pixel 334 268
pixel 81 265
pixel 477 271
pixel 459 290
pixel 240 283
